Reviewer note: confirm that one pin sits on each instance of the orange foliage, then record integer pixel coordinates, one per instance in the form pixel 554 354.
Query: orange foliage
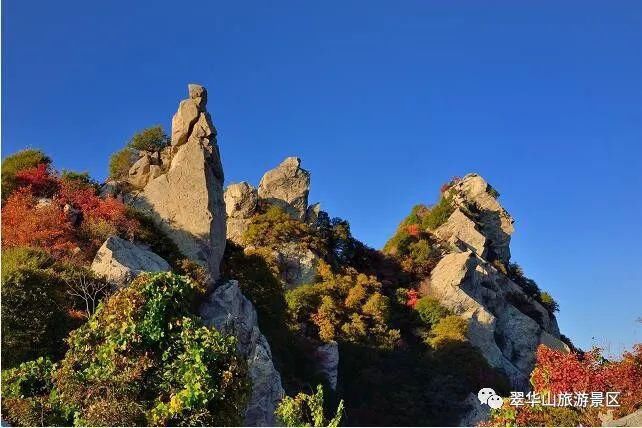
pixel 24 223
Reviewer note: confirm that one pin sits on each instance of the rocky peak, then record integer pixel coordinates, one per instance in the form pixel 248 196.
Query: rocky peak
pixel 288 186
pixel 186 200
pixel 479 222
pixel 504 323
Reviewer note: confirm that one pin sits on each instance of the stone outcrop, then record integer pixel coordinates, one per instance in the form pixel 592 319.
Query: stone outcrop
pixel 241 203
pixel 288 186
pixel 327 357
pixel 186 201
pixel 229 311
pixel 504 323
pixel 478 200
pixel 632 420
pixel 462 232
pixel 297 264
pixel 120 261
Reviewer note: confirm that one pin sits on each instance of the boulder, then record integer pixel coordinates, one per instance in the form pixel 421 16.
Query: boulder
pixel 327 357
pixel 297 264
pixel 503 322
pixel 632 420
pixel 474 195
pixel 139 172
pixel 229 311
pixel 287 186
pixel 241 203
pixel 120 261
pixel 186 201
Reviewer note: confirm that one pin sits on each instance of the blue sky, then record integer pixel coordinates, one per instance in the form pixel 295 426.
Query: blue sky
pixel 383 101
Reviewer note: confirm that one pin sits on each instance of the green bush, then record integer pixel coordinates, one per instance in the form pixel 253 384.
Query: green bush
pixel 548 302
pixel 438 214
pixel 35 320
pixel 447 330
pixel 120 163
pixel 145 352
pixel 430 311
pixel 26 399
pixel 16 162
pixel 306 410
pixel 78 180
pixel 150 139
pixel 275 227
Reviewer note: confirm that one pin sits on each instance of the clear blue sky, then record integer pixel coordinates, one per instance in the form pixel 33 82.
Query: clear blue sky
pixel 383 101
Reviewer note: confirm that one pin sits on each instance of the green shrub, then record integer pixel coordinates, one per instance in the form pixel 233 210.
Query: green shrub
pixel 16 162
pixel 306 410
pixel 438 214
pixel 78 180
pixel 120 163
pixel 275 227
pixel 150 139
pixel 144 351
pixel 548 302
pixel 447 330
pixel 34 307
pixel 26 393
pixel 430 311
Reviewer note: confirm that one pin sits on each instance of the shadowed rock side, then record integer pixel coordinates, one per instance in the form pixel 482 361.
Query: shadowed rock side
pixel 186 201
pixel 230 312
pixel 505 324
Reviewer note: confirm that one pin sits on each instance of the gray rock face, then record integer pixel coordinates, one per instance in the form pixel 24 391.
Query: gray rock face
pixel 297 264
pixel 462 232
pixel 241 203
pixel 632 420
pixel 476 412
pixel 120 261
pixel 230 312
pixel 475 196
pixel 186 202
pixel 505 324
pixel 327 357
pixel 288 186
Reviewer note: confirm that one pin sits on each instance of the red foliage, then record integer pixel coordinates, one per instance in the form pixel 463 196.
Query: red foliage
pixel 411 298
pixel 24 223
pixel 95 208
pixel 571 372
pixel 40 179
pixel 450 184
pixel 413 230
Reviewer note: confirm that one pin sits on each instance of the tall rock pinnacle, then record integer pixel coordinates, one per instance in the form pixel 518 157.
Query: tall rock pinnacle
pixel 186 201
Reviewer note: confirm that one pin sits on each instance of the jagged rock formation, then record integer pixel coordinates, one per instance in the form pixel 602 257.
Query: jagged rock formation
pixel 230 312
pixel 241 203
pixel 477 201
pixel 120 261
pixel 327 357
pixel 288 186
pixel 186 200
pixel 505 324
